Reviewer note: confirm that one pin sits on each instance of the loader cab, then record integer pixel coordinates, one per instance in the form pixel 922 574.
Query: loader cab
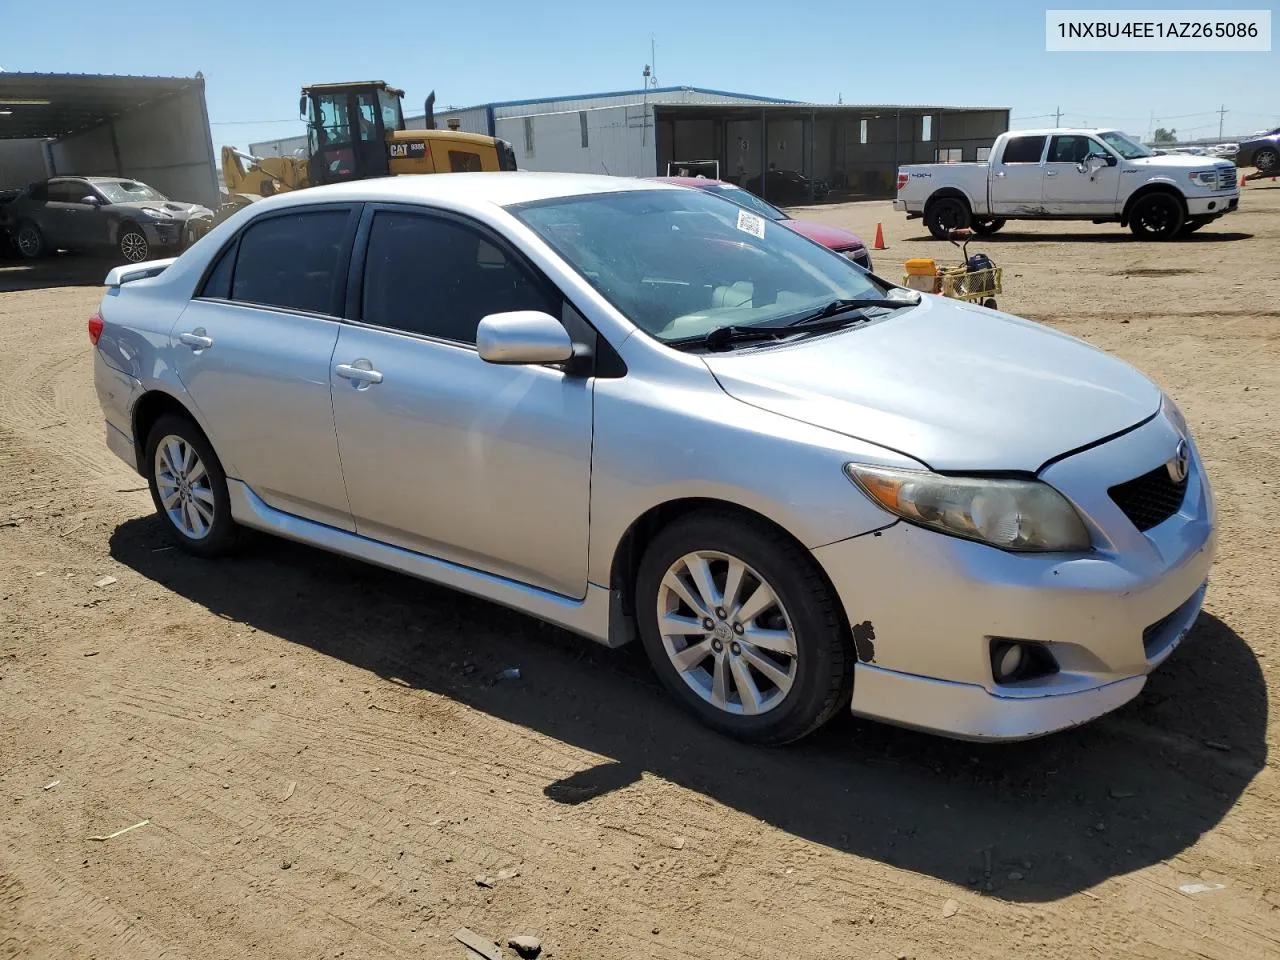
pixel 347 127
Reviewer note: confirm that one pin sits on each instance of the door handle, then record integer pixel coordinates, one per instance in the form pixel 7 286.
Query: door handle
pixel 361 373
pixel 1051 173
pixel 196 340
pixel 999 173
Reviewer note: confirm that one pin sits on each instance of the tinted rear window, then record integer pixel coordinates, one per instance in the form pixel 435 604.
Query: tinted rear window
pixel 1024 150
pixel 293 261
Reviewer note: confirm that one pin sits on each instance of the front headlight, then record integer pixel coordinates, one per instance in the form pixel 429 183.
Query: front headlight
pixel 156 214
pixel 1020 515
pixel 1208 178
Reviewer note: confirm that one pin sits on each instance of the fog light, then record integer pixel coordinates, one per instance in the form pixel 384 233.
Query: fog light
pixel 1013 661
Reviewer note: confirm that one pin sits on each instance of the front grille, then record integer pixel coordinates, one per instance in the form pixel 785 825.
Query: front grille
pixel 1226 178
pixel 1150 499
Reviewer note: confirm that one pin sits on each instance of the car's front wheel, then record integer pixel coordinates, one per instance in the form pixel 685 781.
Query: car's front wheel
pixel 189 487
pixel 742 628
pixel 29 240
pixel 1157 216
pixel 133 243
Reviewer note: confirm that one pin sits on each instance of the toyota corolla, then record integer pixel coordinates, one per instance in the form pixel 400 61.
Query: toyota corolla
pixel 637 411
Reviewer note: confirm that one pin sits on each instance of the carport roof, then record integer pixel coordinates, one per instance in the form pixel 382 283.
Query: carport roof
pixel 57 104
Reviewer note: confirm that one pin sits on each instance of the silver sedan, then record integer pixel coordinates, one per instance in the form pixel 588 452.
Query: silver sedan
pixel 640 411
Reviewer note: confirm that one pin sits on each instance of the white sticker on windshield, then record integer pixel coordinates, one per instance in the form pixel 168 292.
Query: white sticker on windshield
pixel 749 223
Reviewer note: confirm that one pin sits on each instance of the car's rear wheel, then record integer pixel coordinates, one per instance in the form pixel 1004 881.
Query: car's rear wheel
pixel 742 628
pixel 945 215
pixel 29 240
pixel 133 243
pixel 189 487
pixel 1266 160
pixel 1157 216
pixel 986 226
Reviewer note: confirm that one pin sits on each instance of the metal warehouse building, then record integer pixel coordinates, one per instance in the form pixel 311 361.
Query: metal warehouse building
pixel 856 149
pixel 154 129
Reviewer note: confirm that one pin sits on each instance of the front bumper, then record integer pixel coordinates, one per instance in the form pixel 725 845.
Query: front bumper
pixel 165 233
pixel 932 603
pixel 1215 206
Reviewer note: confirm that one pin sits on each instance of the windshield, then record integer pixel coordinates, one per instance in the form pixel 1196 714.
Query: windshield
pixel 679 263
pixel 1124 146
pixel 745 198
pixel 389 104
pixel 127 191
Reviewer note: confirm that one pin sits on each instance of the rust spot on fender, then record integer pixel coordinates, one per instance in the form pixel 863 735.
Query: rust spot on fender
pixel 864 635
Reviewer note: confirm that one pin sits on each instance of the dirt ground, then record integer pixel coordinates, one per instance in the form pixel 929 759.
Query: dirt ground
pixel 326 762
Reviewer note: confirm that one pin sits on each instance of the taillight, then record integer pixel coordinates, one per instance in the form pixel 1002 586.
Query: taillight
pixel 902 181
pixel 95 328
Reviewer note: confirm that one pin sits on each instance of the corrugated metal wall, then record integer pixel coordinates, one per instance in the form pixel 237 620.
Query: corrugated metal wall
pixel 618 141
pixel 21 162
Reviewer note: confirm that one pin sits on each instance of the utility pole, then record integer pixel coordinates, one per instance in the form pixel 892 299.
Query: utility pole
pixel 1221 116
pixel 1057 117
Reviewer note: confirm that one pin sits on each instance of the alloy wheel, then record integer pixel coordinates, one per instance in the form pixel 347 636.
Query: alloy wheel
pixel 133 246
pixel 727 633
pixel 28 241
pixel 183 485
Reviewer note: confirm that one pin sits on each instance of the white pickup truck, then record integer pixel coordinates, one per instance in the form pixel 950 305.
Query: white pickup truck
pixel 1070 174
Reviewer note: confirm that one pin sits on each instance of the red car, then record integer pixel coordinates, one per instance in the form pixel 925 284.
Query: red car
pixel 833 238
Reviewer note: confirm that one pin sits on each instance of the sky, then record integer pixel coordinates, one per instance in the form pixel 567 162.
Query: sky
pixel 256 56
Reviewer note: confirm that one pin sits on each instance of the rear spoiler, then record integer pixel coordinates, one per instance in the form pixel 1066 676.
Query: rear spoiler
pixel 119 276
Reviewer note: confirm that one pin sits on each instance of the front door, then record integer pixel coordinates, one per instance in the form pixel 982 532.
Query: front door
pixel 69 223
pixel 444 454
pixel 254 349
pixel 1074 184
pixel 1016 177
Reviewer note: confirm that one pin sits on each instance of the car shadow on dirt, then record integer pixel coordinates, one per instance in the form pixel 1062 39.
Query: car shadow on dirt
pixel 61 270
pixel 1029 822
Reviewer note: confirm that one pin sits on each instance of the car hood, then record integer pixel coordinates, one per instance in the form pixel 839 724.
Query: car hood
pixel 1182 161
pixel 174 208
pixel 831 237
pixel 955 386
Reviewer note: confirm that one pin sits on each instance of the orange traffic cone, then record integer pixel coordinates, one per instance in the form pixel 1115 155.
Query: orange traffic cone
pixel 1242 179
pixel 879 244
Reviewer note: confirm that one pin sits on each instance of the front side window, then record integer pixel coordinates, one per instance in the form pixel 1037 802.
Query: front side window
pixel 1071 149
pixel 294 261
pixel 439 278
pixel 389 105
pixel 69 191
pixel 679 263
pixel 1023 150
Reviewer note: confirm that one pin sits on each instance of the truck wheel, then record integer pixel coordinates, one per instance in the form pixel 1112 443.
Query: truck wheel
pixel 1266 160
pixel 945 215
pixel 1157 216
pixel 988 225
pixel 1192 225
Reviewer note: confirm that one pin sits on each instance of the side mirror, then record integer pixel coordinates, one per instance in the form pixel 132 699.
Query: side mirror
pixel 92 201
pixel 523 337
pixel 302 106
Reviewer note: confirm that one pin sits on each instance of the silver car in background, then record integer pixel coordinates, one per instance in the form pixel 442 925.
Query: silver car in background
pixel 637 410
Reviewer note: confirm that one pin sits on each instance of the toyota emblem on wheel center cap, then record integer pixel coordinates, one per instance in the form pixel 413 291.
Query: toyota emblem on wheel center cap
pixel 1180 465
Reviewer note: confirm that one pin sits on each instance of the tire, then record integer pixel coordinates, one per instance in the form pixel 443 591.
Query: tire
pixel 29 240
pixel 1267 160
pixel 132 243
pixel 1192 225
pixel 203 497
pixel 946 214
pixel 1157 216
pixel 988 225
pixel 812 684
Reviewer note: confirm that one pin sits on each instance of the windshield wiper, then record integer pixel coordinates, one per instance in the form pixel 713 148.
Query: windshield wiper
pixel 836 307
pixel 723 338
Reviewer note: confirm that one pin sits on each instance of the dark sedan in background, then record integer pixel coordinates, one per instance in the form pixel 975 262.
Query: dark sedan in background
pixel 833 238
pixel 98 215
pixel 1261 152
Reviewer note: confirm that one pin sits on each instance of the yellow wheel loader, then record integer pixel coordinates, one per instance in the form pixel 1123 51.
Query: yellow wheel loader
pixel 355 131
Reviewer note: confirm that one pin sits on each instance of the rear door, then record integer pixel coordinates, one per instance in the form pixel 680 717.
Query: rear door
pixel 254 348
pixel 63 217
pixel 1017 176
